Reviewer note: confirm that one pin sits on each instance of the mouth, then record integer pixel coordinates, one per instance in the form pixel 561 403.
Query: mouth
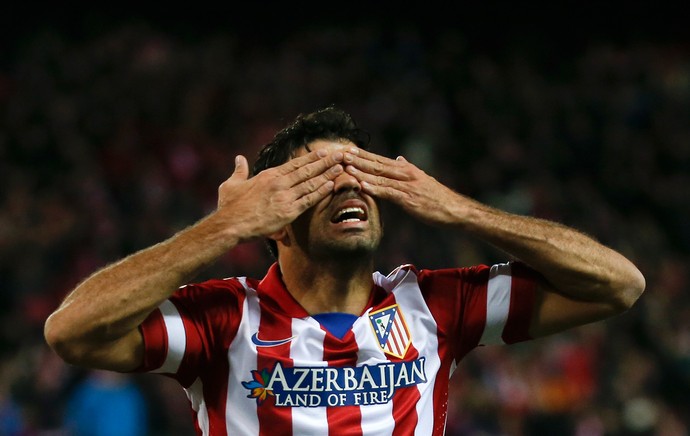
pixel 350 214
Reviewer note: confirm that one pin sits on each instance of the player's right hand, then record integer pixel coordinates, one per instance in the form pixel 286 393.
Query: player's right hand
pixel 272 199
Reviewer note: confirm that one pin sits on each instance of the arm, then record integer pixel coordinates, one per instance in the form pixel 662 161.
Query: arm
pixel 97 324
pixel 584 281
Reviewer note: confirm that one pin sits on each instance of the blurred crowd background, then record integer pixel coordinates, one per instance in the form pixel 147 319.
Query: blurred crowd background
pixel 114 134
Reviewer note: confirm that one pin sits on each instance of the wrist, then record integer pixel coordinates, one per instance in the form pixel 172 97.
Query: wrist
pixel 466 213
pixel 214 231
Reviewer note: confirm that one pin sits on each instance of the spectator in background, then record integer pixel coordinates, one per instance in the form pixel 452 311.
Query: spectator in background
pixel 315 195
pixel 599 137
pixel 106 404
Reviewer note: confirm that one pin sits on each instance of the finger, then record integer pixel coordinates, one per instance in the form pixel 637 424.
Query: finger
pixel 241 171
pixel 370 156
pixel 315 157
pixel 378 180
pixel 309 200
pixel 310 185
pixel 397 170
pixel 377 165
pixel 388 193
pixel 316 168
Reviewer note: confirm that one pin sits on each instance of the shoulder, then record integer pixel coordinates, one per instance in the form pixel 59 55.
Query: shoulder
pixel 215 291
pixel 427 279
pixel 469 273
pixel 468 276
pixel 480 273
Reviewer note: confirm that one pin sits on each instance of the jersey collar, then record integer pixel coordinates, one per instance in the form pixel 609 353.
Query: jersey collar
pixel 273 292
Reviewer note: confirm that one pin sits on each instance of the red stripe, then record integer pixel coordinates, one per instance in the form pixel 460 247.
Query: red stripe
pixel 400 327
pixel 274 421
pixel 394 338
pixel 471 320
pixel 155 338
pixel 401 337
pixel 342 353
pixel 441 392
pixel 460 314
pixel 460 310
pixel 522 296
pixel 405 399
pixel 405 402
pixel 216 392
pixel 193 352
pixel 198 353
pixel 215 395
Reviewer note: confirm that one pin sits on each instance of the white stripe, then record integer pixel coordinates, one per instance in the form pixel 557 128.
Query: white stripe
pixel 401 338
pixel 177 340
pixel 497 304
pixel 394 339
pixel 424 338
pixel 377 419
pixel 308 333
pixel 242 412
pixel 195 393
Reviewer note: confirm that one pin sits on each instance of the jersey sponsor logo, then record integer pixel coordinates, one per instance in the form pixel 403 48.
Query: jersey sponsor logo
pixel 309 386
pixel 270 343
pixel 391 330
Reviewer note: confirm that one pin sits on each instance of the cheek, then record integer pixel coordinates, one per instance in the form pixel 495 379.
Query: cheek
pixel 301 224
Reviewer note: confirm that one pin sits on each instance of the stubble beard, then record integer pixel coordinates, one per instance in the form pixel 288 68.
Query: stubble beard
pixel 350 249
pixel 358 246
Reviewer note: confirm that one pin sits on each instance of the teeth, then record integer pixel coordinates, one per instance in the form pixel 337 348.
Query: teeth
pixel 358 210
pixel 349 210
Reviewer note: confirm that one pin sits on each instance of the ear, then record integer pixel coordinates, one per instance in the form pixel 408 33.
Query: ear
pixel 280 236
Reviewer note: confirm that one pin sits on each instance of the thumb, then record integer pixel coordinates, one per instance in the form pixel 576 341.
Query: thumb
pixel 241 171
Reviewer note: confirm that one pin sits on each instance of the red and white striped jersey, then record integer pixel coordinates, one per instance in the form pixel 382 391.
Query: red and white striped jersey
pixel 253 362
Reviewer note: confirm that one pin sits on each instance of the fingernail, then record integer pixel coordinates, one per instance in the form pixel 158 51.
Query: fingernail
pixel 354 150
pixel 350 169
pixel 237 160
pixel 349 157
pixel 337 156
pixel 321 152
pixel 337 169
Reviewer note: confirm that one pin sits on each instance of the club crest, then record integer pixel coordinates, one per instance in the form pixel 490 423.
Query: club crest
pixel 391 330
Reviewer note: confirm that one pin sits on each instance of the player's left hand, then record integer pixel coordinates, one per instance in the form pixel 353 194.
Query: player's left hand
pixel 402 183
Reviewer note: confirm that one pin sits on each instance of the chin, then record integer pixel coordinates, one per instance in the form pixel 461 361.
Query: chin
pixel 346 250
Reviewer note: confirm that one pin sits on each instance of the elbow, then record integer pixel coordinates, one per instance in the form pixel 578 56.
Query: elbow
pixel 629 290
pixel 61 340
pixel 51 333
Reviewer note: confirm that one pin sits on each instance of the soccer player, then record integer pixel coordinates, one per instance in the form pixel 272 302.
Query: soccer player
pixel 323 344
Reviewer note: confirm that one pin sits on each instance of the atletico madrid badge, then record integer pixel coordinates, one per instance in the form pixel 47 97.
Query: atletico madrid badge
pixel 391 330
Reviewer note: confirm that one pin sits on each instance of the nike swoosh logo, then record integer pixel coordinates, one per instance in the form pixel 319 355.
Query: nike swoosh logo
pixel 261 343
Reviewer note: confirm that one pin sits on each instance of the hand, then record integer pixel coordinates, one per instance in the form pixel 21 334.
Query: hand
pixel 402 183
pixel 267 202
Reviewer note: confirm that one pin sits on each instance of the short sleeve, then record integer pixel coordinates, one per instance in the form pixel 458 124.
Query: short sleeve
pixel 184 333
pixel 481 305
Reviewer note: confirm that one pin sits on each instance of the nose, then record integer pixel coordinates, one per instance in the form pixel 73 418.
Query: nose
pixel 346 182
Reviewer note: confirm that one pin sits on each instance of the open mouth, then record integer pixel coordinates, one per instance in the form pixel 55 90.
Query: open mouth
pixel 349 215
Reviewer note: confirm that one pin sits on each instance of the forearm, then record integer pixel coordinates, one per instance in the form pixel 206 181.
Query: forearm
pixel 97 323
pixel 116 299
pixel 572 262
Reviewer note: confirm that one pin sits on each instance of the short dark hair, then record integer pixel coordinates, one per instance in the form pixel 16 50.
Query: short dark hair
pixel 329 123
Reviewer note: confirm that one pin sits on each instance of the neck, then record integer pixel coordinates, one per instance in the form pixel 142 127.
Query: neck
pixel 328 285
